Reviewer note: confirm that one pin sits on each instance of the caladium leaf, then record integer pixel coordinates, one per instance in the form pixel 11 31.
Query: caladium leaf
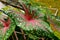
pixel 7 26
pixel 21 21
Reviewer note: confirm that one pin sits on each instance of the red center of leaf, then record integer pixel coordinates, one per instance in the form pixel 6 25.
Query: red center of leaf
pixel 5 23
pixel 28 15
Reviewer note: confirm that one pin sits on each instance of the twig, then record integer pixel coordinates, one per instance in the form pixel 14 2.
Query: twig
pixel 19 32
pixel 15 35
pixel 19 6
pixel 12 37
pixel 42 38
pixel 55 12
pixel 23 34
